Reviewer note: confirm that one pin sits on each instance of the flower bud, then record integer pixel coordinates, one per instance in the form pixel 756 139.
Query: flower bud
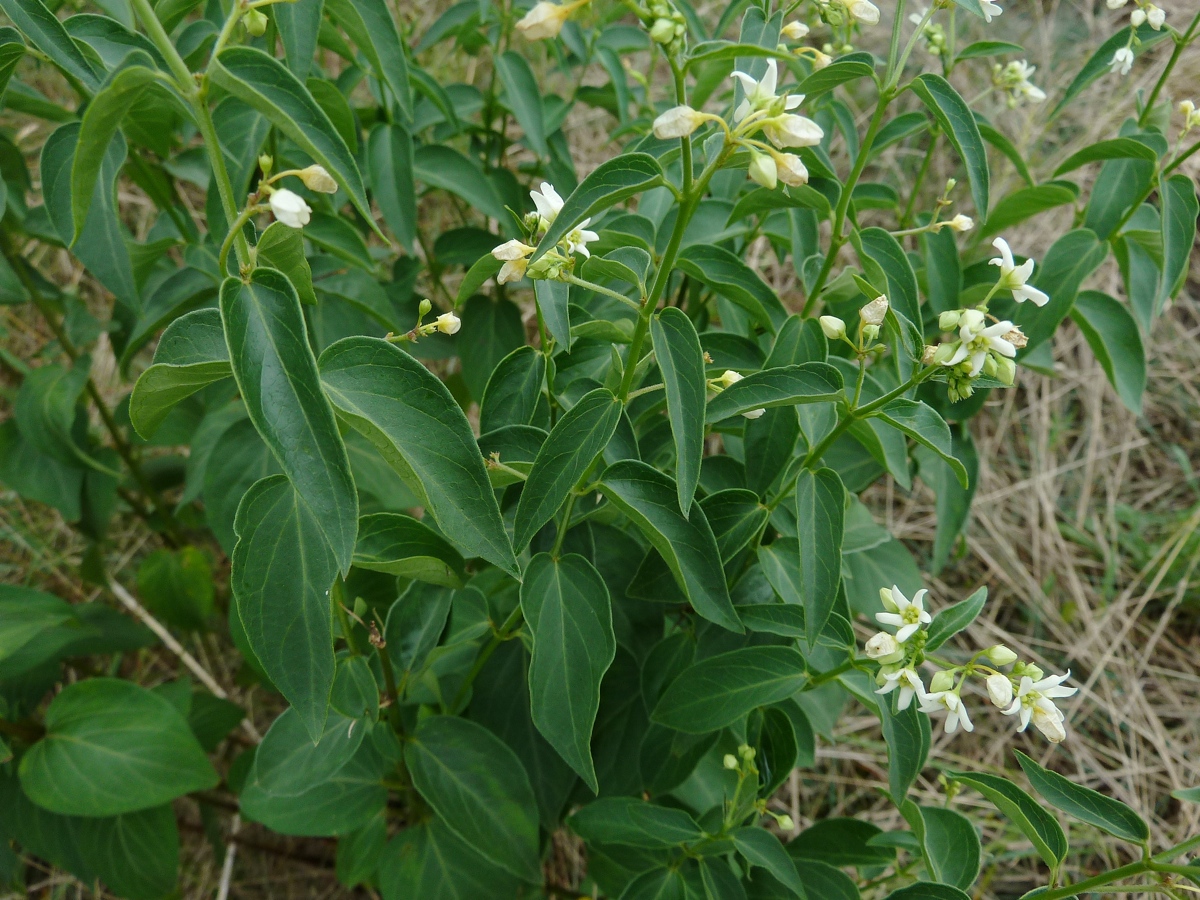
pixel 948 320
pixel 862 11
pixel 945 352
pixel 792 171
pixel 1156 16
pixel 941 681
pixel 662 31
pixel 870 332
pixel 884 649
pixel 424 307
pixel 448 323
pixel 763 170
pixel 874 312
pixel 265 162
pixel 999 688
pixel 677 122
pixel 754 414
pixel 785 823
pixel 951 184
pixel 1000 655
pixel 885 597
pixel 1006 370
pixel 255 22
pixel 834 328
pixel 1115 4
pixel 289 208
pixel 972 319
pixel 961 223
pixel 746 752
pixel 729 761
pixel 821 60
pixel 730 378
pixel 1050 725
pixel 315 178
pixel 545 20
pixel 794 31
pixel 1021 669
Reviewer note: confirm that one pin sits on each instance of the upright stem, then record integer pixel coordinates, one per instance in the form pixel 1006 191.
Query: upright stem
pixel 1181 41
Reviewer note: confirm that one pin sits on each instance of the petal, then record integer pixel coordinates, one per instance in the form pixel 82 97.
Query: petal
pixel 951 724
pixel 1031 293
pixel 978 358
pixel 906 632
pixel 770 79
pixel 924 618
pixel 1058 692
pixel 905 698
pixel 888 688
pixel 959 355
pixel 1003 347
pixel 1023 271
pixel 892 619
pixel 918 599
pixel 897 593
pixel 1026 712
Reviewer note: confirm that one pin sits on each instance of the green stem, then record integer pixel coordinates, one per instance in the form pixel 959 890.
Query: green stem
pixel 154 29
pixel 338 597
pixel 895 73
pixel 1178 850
pixel 234 231
pixel 905 219
pixel 216 158
pixel 1180 158
pixel 1081 887
pixel 499 636
pixel 226 31
pixel 1181 42
pixel 821 678
pixel 599 289
pixel 563 525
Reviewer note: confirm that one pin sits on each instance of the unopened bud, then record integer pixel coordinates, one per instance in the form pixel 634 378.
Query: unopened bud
pixel 885 597
pixel 942 681
pixel 730 761
pixel 874 312
pixel 949 320
pixel 730 378
pixel 677 122
pixel 1006 370
pixel 255 22
pixel 785 823
pixel 448 323
pixel 999 688
pixel 951 184
pixel 1000 655
pixel 265 162
pixel 315 178
pixel 662 31
pixel 961 223
pixel 763 170
pixel 884 649
pixel 944 353
pixel 870 332
pixel 424 307
pixel 834 328
pixel 794 31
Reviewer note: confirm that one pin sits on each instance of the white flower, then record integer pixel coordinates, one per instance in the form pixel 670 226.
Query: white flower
pixel 512 270
pixel 1137 18
pixel 578 239
pixel 953 704
pixel 976 342
pixel 289 208
pixel 760 94
pixel 884 649
pixel 874 312
pixel 677 122
pixel 1035 702
pixel 792 171
pixel 1121 62
pixel 754 413
pixel 511 250
pixel 999 688
pixel 790 130
pixel 862 11
pixel 909 683
pixel 315 178
pixel 1014 277
pixel 1191 115
pixel 545 20
pixel 448 323
pixel 1016 76
pixel 794 31
pixel 909 616
pixel 834 328
pixel 961 223
pixel 1115 4
pixel 1156 16
pixel 763 170
pixel 990 10
pixel 730 378
pixel 919 16
pixel 820 60
pixel 548 204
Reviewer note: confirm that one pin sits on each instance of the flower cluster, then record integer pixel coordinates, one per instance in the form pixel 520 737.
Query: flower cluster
pixel 1025 691
pixel 288 206
pixel 1191 116
pixel 1143 13
pixel 870 319
pixel 668 27
pixel 933 35
pixel 1013 80
pixel 762 110
pixel 515 253
pixel 728 379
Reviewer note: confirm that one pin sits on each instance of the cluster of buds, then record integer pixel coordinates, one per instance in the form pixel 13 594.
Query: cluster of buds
pixel 287 206
pixel 1191 116
pixel 745 799
pixel 727 379
pixel 761 109
pixel 1144 13
pixel 980 348
pixel 446 323
pixel 838 12
pixel 933 35
pixel 1013 80
pixel 1025 691
pixel 870 320
pixel 668 27
pixel 557 261
pixel 546 19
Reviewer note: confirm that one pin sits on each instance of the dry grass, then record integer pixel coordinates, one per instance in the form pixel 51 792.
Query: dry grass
pixel 1083 529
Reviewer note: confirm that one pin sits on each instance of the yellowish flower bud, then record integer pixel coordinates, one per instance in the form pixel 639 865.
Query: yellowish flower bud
pixel 874 312
pixel 1000 655
pixel 544 21
pixel 999 688
pixel 315 178
pixel 834 328
pixel 941 681
pixel 794 31
pixel 448 323
pixel 677 122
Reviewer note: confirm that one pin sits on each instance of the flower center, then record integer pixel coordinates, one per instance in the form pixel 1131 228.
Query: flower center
pixel 911 615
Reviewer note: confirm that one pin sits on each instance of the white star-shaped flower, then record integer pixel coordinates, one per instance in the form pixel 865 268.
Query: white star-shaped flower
pixel 1014 277
pixel 909 683
pixel 953 704
pixel 1035 702
pixel 909 616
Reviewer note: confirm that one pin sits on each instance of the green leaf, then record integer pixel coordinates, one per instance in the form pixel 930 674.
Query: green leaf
pixel 262 82
pixel 921 422
pixel 761 848
pixel 277 377
pixel 523 96
pixel 428 860
pixel 491 329
pixel 553 300
pixel 1027 814
pixel 880 246
pixel 1179 211
pixel 958 124
pixel 1113 335
pixel 281 247
pixel 634 822
pixel 46 33
pixel 46 407
pixel 299 25
pixel 487 266
pixel 980 49
pixel 927 890
pixel 1098 63
pixel 820 518
pixel 336 806
pixel 112 747
pixel 1070 259
pixel 813 382
pixel 836 73
pixel 566 606
pixel 677 351
pixel 650 499
pixel 177 586
pixel 716 692
pixel 190 356
pixel 564 459
pixel 478 787
pixel 370 25
pixel 25 614
pixel 390 171
pixel 282 572
pixel 951 846
pixel 726 274
pixel 1020 205
pixel 1005 146
pixel 401 545
pixel 514 394
pixel 410 417
pixel 1084 804
pixel 1116 148
pixel 611 182
pixel 907 736
pixel 414 624
pixel 953 619
pixel 444 167
pixel 289 761
pixel 123 88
